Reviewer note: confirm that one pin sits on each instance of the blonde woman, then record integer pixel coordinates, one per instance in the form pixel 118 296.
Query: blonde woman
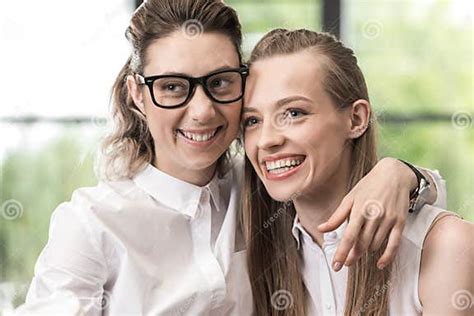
pixel 160 234
pixel 309 138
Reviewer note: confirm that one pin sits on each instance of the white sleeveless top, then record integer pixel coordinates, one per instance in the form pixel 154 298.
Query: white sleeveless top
pixel 326 288
pixel 404 294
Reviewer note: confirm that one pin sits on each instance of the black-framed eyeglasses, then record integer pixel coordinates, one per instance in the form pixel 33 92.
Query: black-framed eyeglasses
pixel 173 91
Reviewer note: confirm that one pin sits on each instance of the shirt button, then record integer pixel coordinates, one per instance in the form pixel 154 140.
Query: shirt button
pixel 328 306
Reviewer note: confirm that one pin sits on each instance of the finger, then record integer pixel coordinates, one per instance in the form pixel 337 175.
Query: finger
pixel 363 242
pixel 347 242
pixel 381 234
pixel 392 248
pixel 339 216
pixel 354 254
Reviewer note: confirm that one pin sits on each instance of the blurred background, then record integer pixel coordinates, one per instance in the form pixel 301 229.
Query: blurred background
pixel 59 60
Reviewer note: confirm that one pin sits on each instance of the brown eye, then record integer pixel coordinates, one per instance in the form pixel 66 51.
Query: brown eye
pixel 294 113
pixel 249 122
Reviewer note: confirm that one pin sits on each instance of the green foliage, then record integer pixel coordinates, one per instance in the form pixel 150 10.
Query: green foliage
pixel 262 16
pixel 36 182
pixel 439 146
pixel 417 58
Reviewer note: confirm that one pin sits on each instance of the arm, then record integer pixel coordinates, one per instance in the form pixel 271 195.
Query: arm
pixel 70 271
pixel 387 186
pixel 446 282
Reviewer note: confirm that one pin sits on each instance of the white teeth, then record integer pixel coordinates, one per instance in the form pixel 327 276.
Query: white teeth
pixel 198 137
pixel 282 165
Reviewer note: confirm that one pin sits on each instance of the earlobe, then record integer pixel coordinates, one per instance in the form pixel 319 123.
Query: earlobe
pixel 135 93
pixel 360 118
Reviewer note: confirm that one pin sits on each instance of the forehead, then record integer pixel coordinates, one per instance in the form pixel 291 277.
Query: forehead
pixel 195 56
pixel 281 76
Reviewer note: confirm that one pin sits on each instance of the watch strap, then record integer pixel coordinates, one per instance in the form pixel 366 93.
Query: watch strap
pixel 421 181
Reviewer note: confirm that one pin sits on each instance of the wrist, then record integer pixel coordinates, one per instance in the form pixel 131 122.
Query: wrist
pixel 405 176
pixel 410 176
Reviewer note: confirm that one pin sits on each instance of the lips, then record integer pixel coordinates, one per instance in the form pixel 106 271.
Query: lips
pixel 201 137
pixel 282 166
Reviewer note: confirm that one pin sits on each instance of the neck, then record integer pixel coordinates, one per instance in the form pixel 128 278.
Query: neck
pixel 318 205
pixel 197 177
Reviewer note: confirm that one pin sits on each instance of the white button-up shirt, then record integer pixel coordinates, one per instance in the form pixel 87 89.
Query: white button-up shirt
pixel 152 245
pixel 327 289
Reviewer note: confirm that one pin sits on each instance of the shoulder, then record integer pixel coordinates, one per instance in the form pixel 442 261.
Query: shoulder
pixel 450 234
pixel 446 264
pixel 105 193
pixel 87 203
pixel 448 243
pixel 82 216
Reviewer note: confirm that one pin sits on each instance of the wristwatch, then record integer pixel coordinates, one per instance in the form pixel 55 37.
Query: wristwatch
pixel 417 195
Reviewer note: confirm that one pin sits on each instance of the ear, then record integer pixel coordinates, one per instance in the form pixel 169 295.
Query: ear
pixel 136 93
pixel 360 118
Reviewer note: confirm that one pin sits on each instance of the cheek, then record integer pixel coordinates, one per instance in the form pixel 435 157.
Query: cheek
pixel 310 136
pixel 250 146
pixel 231 113
pixel 161 122
pixel 326 143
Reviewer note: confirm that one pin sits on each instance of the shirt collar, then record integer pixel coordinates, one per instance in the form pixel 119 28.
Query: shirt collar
pixel 177 194
pixel 333 236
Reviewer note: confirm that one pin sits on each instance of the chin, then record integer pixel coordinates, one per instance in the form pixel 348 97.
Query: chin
pixel 202 164
pixel 282 193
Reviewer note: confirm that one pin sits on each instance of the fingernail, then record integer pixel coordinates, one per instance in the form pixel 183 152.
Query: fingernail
pixel 337 266
pixel 380 266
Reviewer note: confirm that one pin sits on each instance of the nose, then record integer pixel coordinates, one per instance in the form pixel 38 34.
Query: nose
pixel 270 136
pixel 201 107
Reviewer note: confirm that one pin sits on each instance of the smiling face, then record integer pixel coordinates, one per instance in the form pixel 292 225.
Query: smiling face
pixel 190 139
pixel 295 138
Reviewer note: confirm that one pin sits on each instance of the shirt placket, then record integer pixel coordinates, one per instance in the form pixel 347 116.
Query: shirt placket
pixel 212 272
pixel 326 287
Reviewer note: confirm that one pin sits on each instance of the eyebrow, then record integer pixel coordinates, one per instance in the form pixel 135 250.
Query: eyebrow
pixel 187 75
pixel 280 102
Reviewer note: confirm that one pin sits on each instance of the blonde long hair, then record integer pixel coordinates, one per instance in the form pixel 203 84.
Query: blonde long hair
pixel 273 258
pixel 129 146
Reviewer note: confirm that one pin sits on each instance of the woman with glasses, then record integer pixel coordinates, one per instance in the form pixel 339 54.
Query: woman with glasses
pixel 311 83
pixel 160 235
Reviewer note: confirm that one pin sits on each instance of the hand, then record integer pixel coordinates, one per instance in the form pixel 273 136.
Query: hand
pixel 377 208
